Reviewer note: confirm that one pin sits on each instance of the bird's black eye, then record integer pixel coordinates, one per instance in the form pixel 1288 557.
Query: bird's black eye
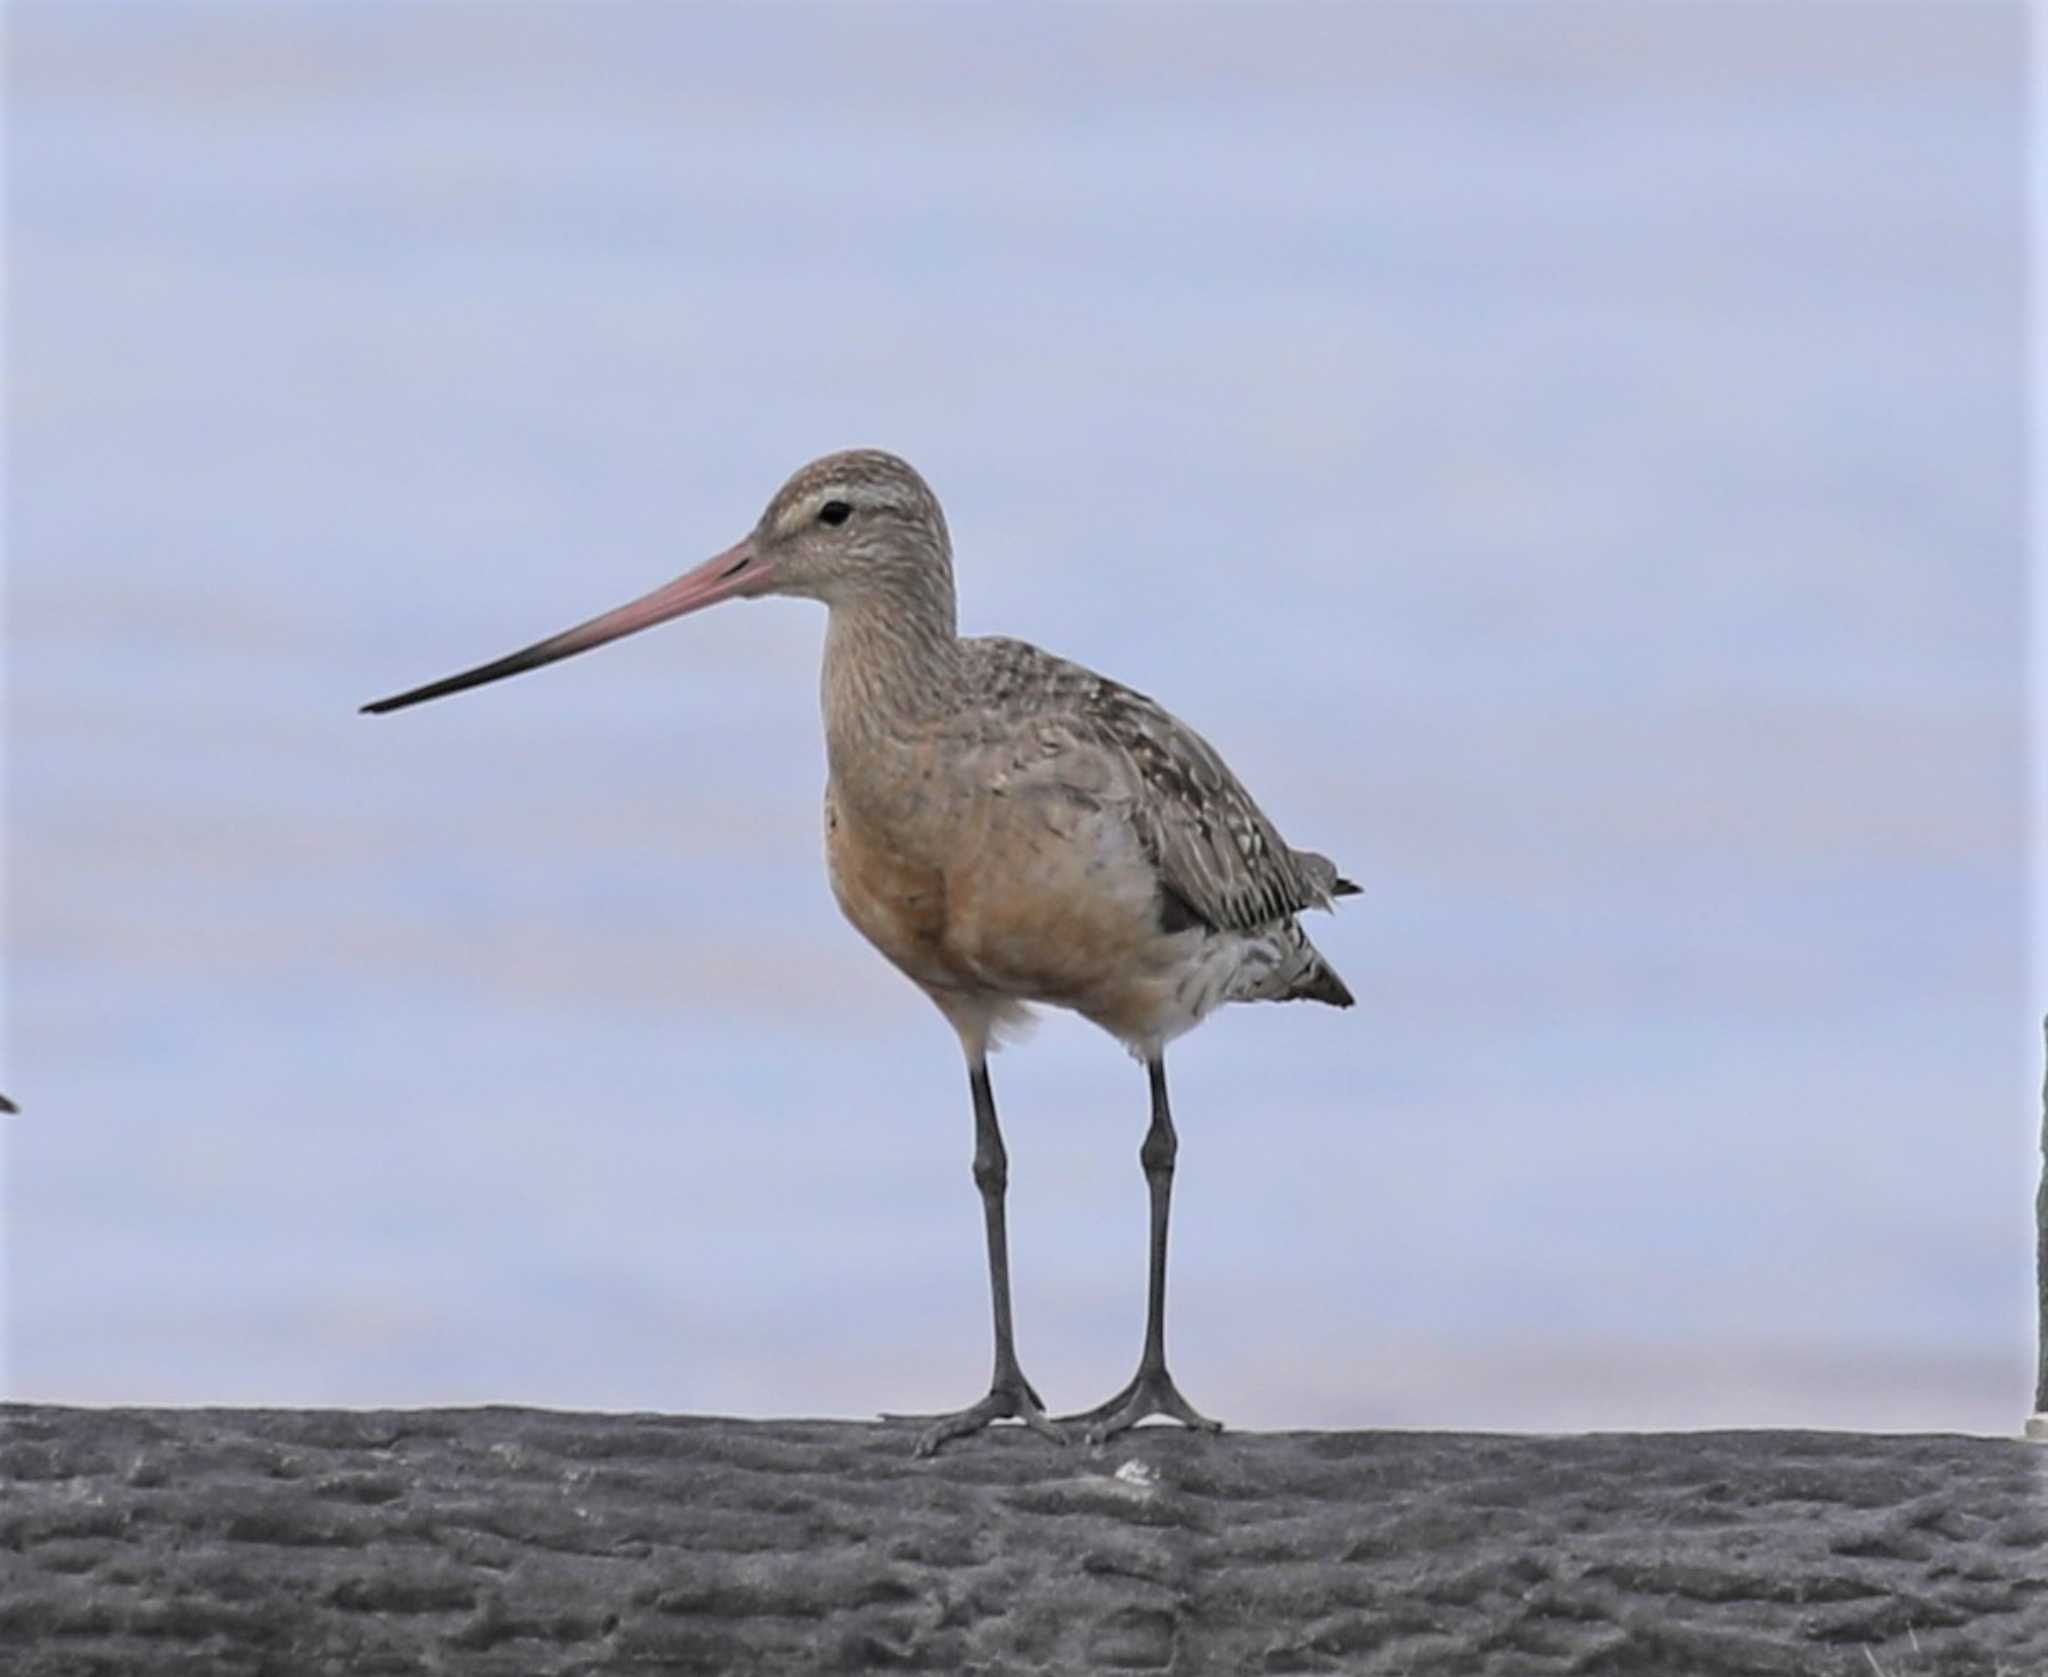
pixel 835 512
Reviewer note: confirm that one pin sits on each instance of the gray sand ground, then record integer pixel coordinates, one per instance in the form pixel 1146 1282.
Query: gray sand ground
pixel 532 1543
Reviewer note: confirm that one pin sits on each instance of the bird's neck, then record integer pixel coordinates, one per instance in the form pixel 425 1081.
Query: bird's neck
pixel 892 672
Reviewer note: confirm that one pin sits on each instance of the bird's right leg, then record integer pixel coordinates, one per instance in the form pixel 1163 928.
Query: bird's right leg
pixel 1009 1393
pixel 1151 1391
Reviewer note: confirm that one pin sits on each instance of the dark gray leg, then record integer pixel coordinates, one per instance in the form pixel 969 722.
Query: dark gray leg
pixel 1151 1390
pixel 1009 1393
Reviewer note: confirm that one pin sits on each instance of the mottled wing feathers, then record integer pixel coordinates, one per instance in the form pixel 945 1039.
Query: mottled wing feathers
pixel 1101 742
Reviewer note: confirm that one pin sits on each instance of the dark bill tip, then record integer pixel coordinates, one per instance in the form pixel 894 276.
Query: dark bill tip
pixel 531 658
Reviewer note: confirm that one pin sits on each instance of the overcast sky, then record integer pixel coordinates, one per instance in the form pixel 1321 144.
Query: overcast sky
pixel 1568 459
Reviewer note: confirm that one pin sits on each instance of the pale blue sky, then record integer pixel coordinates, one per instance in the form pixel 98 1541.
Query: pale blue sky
pixel 1569 459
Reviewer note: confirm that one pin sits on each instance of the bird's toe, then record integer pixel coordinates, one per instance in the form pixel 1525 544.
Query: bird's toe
pixel 1151 1392
pixel 1017 1401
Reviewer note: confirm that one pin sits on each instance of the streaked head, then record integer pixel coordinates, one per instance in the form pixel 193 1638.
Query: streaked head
pixel 857 525
pixel 850 524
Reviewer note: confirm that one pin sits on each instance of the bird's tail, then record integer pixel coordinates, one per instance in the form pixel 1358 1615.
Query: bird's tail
pixel 1320 983
pixel 1308 976
pixel 1281 965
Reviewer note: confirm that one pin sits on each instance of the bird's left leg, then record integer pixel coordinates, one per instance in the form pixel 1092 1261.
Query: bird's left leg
pixel 1009 1393
pixel 1151 1390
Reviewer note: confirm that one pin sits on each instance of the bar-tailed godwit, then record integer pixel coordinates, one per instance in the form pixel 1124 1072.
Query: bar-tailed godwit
pixel 1008 828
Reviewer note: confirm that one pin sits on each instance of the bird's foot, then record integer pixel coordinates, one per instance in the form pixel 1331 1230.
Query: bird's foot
pixel 1007 1399
pixel 1151 1392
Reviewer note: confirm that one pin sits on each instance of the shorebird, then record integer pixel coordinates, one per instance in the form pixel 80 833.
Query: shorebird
pixel 1006 828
